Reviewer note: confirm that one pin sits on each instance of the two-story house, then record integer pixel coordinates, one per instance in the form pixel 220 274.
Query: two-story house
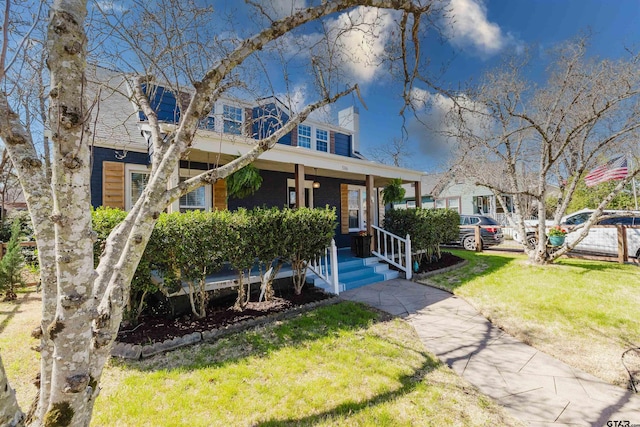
pixel 317 164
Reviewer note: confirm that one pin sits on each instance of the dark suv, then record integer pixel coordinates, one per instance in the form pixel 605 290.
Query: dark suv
pixel 490 233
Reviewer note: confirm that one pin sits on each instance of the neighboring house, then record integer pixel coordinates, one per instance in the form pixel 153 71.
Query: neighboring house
pixel 440 191
pixel 317 164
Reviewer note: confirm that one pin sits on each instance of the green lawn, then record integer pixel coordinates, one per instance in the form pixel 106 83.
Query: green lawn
pixel 582 312
pixel 338 365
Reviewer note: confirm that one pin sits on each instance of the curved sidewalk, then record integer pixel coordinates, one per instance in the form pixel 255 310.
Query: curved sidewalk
pixel 534 387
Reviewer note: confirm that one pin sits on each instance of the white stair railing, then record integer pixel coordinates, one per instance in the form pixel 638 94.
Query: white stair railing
pixel 326 267
pixel 393 249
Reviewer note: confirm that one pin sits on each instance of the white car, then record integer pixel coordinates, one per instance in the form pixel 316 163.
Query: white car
pixel 573 219
pixel 604 240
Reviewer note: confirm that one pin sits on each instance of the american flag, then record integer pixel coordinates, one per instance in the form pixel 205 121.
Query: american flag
pixel 615 168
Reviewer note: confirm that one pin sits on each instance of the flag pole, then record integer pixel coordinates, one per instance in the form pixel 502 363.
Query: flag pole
pixel 633 182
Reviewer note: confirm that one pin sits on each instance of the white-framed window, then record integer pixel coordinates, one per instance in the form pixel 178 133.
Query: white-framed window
pixel 313 138
pixel 449 203
pixel 136 179
pixel 357 207
pixel 322 140
pixel 232 119
pixel 304 136
pixel 198 199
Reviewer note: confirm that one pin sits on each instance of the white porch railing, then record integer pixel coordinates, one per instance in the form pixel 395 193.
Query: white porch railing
pixel 393 249
pixel 326 267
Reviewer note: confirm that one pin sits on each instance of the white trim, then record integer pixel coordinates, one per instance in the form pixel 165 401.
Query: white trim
pixel 282 153
pixel 313 137
pixel 189 173
pixel 362 194
pixel 291 183
pixel 130 168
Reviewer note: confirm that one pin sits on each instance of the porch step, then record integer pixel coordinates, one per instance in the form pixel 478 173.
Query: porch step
pixel 355 272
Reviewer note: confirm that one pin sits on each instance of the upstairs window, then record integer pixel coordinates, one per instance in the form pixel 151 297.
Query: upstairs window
pixel 304 136
pixel 232 119
pixel 322 140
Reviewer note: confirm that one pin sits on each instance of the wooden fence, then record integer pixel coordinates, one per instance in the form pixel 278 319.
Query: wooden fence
pixel 3 247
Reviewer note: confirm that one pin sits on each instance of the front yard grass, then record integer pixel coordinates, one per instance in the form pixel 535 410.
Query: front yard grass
pixel 339 365
pixel 343 364
pixel 582 312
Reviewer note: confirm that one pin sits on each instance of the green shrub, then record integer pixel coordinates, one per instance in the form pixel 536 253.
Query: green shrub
pixel 307 234
pixel 11 265
pixel 104 220
pixel 428 228
pixel 268 229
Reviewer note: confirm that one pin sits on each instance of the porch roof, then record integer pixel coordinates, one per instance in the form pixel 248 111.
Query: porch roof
pixel 283 158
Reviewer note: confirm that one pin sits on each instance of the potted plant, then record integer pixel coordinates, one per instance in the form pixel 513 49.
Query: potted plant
pixel 557 236
pixel 361 244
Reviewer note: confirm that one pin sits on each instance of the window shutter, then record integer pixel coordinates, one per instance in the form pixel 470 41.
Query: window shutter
pixel 113 184
pixel 220 195
pixel 344 208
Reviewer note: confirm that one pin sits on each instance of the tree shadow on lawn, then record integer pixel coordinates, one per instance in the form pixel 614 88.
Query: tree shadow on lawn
pixel 587 266
pixel 409 384
pixel 324 322
pixel 479 264
pixel 17 305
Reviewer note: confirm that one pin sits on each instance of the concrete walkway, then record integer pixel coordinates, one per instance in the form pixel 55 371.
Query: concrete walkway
pixel 534 387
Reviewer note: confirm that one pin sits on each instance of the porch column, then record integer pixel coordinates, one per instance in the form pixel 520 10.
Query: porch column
pixel 173 181
pixel 418 188
pixel 369 205
pixel 299 179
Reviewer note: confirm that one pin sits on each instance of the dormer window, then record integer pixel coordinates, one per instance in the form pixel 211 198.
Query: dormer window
pixel 304 136
pixel 313 138
pixel 322 140
pixel 232 117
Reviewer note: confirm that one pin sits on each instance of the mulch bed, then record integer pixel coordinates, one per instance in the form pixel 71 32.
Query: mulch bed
pixel 153 328
pixel 158 328
pixel 447 260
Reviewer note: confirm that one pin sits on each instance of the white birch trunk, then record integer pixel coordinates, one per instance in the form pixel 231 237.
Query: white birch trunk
pixel 82 306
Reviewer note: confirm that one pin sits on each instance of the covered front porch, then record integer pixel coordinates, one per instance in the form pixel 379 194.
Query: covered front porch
pixel 300 177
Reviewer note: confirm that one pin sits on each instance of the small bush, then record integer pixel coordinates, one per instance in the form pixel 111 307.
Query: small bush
pixel 428 228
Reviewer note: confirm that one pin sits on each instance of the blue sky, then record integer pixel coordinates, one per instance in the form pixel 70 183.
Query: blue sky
pixel 476 34
pixel 513 24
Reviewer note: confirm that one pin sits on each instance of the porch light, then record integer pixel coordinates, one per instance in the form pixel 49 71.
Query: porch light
pixel 316 183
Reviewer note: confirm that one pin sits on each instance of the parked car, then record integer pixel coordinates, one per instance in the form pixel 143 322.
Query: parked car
pixel 490 233
pixel 604 240
pixel 571 220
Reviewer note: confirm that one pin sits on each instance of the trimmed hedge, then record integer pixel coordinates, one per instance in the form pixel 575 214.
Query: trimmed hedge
pixel 428 228
pixel 187 247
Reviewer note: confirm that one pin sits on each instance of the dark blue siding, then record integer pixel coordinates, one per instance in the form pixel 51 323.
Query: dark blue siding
pixel 109 155
pixel 164 103
pixel 273 193
pixel 343 144
pixel 267 119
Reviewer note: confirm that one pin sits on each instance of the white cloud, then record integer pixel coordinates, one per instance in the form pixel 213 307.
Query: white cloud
pixel 434 126
pixel 111 6
pixel 360 37
pixel 296 99
pixel 469 26
pixel 284 8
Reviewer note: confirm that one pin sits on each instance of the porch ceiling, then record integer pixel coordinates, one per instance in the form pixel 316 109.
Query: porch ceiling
pixel 283 158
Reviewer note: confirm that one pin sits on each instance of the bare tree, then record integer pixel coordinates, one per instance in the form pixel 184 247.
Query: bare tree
pixel 396 153
pixel 83 305
pixel 547 136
